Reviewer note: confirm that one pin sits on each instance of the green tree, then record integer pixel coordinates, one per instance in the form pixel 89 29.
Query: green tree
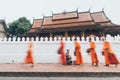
pixel 19 27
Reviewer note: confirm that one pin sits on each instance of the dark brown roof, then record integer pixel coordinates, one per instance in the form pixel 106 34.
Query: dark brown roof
pixel 32 30
pixel 82 17
pixel 37 23
pixel 99 17
pixel 68 25
pixel 108 23
pixel 71 20
pixel 65 16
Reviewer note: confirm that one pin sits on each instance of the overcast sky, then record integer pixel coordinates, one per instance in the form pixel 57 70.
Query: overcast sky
pixel 11 10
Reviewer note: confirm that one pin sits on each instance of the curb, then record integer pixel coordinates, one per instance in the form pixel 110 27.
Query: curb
pixel 59 74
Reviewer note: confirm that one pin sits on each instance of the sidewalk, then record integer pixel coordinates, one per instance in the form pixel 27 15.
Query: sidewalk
pixel 57 70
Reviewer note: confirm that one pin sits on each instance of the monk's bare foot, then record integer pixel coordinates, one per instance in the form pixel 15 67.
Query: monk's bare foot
pixel 64 64
pixel 107 65
pixel 76 64
pixel 32 65
pixel 96 64
pixel 92 64
pixel 116 65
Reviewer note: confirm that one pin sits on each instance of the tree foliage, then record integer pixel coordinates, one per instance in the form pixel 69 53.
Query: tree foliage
pixel 19 27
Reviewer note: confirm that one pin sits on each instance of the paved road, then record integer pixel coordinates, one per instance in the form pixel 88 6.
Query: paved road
pixel 59 78
pixel 57 68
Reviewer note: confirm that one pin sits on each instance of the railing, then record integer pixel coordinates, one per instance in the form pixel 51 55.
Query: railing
pixel 96 39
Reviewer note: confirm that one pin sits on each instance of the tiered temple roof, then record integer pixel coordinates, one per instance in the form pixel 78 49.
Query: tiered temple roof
pixel 71 21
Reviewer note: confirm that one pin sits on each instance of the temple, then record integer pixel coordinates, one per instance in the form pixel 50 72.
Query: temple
pixel 74 23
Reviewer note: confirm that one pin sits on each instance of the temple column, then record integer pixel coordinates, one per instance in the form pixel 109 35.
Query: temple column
pixel 82 33
pixel 102 33
pixel 66 35
pixel 51 34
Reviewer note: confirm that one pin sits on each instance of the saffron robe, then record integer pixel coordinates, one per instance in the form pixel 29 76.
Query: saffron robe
pixel 62 53
pixel 29 56
pixel 94 57
pixel 110 57
pixel 79 59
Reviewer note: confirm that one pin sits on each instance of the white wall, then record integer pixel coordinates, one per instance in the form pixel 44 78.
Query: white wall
pixel 46 51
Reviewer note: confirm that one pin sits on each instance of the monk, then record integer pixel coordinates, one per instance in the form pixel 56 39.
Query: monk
pixel 62 53
pixel 109 55
pixel 78 54
pixel 94 57
pixel 29 57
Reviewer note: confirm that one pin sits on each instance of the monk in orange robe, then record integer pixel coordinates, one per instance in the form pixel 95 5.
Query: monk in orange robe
pixel 110 57
pixel 62 53
pixel 29 57
pixel 94 57
pixel 78 54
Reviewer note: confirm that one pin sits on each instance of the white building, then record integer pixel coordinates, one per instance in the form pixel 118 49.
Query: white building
pixel 3 29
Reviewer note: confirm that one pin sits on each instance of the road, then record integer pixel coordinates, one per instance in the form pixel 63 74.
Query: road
pixel 59 78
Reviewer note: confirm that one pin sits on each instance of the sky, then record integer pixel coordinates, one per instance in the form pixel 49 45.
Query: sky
pixel 11 10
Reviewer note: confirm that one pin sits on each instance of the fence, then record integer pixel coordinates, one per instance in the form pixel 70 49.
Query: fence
pixel 13 50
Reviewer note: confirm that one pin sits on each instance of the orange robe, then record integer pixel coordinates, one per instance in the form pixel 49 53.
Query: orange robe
pixel 110 57
pixel 78 54
pixel 29 57
pixel 63 56
pixel 94 57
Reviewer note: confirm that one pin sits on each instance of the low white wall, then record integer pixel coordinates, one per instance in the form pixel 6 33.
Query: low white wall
pixel 46 51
